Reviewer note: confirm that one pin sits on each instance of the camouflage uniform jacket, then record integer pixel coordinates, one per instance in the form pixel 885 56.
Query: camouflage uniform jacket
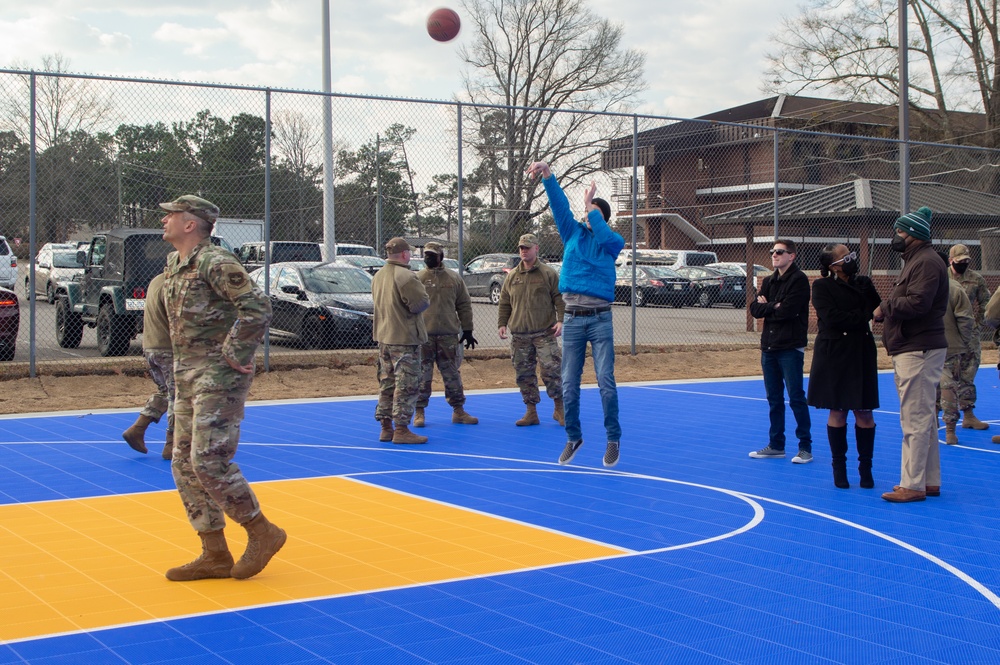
pixel 451 307
pixel 530 301
pixel 959 324
pixel 399 299
pixel 155 328
pixel 975 287
pixel 215 311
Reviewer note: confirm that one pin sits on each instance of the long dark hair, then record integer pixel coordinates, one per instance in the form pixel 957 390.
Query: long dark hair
pixel 825 259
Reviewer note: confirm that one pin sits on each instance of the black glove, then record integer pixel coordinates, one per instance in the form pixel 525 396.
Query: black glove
pixel 470 341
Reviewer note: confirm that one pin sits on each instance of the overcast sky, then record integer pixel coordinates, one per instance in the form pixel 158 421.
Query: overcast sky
pixel 701 57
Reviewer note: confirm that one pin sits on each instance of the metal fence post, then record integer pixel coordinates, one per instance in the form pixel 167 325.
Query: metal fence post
pixel 267 213
pixel 461 262
pixel 635 218
pixel 32 211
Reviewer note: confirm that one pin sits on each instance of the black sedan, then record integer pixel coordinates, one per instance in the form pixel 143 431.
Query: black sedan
pixel 654 284
pixel 369 264
pixel 10 320
pixel 715 286
pixel 320 305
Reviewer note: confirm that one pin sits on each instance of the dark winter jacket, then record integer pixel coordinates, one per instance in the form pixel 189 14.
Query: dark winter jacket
pixel 786 312
pixel 844 373
pixel 914 310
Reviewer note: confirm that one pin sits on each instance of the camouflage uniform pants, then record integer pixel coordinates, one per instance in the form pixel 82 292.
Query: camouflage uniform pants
pixel 529 351
pixel 952 383
pixel 966 390
pixel 161 368
pixel 398 369
pixel 446 352
pixel 206 434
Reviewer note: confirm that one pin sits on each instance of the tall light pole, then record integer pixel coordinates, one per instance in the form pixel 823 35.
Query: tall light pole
pixel 904 111
pixel 329 219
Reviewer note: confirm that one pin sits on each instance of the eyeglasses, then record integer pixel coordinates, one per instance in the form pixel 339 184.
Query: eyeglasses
pixel 779 252
pixel 853 256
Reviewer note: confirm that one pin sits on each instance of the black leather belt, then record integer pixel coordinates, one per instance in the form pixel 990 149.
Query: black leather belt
pixel 588 312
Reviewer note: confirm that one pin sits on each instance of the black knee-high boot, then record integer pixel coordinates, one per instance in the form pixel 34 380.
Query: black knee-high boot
pixel 865 437
pixel 838 451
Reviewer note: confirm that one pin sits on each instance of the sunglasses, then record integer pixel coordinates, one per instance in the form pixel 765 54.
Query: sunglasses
pixel 853 256
pixel 779 252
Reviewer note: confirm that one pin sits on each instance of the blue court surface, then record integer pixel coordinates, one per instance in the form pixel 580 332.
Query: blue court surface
pixel 688 551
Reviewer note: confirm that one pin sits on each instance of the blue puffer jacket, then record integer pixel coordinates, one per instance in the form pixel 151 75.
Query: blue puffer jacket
pixel 589 255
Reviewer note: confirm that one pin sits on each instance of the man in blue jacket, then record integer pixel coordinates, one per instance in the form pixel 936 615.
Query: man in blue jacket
pixel 587 284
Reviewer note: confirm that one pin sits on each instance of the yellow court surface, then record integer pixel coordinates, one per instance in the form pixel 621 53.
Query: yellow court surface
pixel 89 563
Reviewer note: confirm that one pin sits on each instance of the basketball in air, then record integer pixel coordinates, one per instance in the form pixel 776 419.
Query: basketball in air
pixel 443 24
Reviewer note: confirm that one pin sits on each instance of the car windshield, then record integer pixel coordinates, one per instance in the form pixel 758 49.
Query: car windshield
pixel 362 260
pixel 660 271
pixel 329 279
pixel 65 260
pixel 729 270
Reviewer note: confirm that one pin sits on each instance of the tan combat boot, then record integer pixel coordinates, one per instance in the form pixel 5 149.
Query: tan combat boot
pixel 168 446
pixel 404 435
pixel 418 417
pixel 460 417
pixel 969 421
pixel 558 415
pixel 530 417
pixel 263 542
pixel 215 561
pixel 386 433
pixel 134 435
pixel 949 434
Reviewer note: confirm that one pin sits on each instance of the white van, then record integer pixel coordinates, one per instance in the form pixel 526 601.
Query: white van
pixel 671 258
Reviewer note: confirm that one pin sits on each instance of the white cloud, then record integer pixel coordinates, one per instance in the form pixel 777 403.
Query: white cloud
pixel 190 41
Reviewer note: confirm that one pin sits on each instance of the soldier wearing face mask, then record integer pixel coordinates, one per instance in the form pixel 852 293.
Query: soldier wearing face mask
pixel 974 285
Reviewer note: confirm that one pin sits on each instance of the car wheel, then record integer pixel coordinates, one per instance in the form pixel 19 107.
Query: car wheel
pixel 310 332
pixel 113 336
pixel 641 300
pixel 69 326
pixel 704 299
pixel 50 295
pixel 494 294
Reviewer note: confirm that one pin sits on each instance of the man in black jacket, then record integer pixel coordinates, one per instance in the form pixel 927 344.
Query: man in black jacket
pixel 783 303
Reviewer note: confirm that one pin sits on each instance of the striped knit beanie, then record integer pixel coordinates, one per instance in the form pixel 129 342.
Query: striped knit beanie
pixel 916 224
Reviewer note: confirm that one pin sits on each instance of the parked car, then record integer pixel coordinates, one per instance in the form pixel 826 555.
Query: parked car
pixel 8 265
pixel 54 264
pixel 417 264
pixel 251 254
pixel 354 249
pixel 759 271
pixel 369 264
pixel 672 258
pixel 484 275
pixel 320 305
pixel 10 320
pixel 654 284
pixel 715 286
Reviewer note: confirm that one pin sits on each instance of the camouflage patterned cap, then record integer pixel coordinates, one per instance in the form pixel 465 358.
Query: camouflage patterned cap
pixel 397 246
pixel 195 205
pixel 434 247
pixel 528 240
pixel 959 253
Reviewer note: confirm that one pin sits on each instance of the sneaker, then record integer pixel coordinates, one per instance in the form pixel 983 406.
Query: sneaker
pixel 765 453
pixel 804 457
pixel 569 452
pixel 611 455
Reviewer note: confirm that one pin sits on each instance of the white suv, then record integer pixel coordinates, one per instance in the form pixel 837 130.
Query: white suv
pixel 8 265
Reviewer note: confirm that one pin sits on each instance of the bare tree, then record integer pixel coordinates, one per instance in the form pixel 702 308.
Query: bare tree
pixel 850 47
pixel 63 105
pixel 297 141
pixel 531 58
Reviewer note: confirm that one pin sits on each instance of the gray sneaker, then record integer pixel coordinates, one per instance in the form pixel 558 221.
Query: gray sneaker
pixel 804 457
pixel 767 453
pixel 612 454
pixel 569 452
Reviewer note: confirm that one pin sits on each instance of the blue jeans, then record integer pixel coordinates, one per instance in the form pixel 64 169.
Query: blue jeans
pixel 577 331
pixel 783 369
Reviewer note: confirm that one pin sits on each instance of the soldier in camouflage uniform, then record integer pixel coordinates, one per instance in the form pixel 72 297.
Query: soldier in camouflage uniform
pixel 160 360
pixel 217 320
pixel 979 295
pixel 398 327
pixel 449 314
pixel 531 310
pixel 959 329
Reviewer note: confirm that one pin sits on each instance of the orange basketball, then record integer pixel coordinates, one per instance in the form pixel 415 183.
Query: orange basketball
pixel 443 24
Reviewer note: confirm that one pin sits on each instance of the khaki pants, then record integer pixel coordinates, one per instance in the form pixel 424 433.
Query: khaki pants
pixel 917 376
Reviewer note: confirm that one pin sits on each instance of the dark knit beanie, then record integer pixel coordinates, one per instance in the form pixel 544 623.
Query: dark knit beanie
pixel 916 224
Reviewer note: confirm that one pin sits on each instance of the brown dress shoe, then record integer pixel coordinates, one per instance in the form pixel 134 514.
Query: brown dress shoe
pixel 904 495
pixel 933 490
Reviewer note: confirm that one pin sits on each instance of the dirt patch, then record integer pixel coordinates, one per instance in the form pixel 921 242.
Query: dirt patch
pixel 123 382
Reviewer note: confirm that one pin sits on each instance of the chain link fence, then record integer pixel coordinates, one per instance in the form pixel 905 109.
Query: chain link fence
pixel 85 161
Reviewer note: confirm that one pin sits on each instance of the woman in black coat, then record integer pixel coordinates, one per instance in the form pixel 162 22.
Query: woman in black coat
pixel 844 373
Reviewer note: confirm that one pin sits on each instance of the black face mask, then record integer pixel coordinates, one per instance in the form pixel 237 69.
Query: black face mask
pixel 432 260
pixel 851 268
pixel 960 268
pixel 898 243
